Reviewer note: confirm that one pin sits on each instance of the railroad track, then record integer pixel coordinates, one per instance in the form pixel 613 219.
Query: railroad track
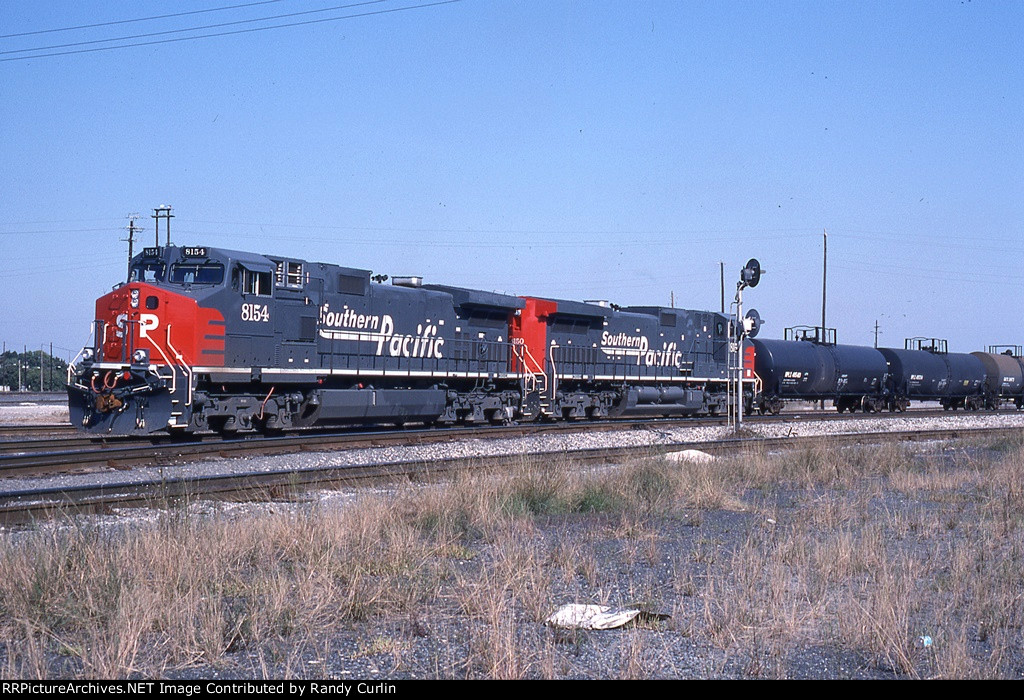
pixel 41 457
pixel 77 453
pixel 159 489
pixel 17 431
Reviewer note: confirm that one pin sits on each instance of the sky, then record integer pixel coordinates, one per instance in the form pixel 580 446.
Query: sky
pixel 580 150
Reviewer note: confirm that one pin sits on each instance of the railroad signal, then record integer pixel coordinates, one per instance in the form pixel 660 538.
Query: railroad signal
pixel 750 275
pixel 752 323
pixel 745 326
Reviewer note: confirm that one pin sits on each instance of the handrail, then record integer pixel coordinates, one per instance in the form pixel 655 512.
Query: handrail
pixel 187 370
pixel 554 371
pixel 529 379
pixel 92 335
pixel 174 375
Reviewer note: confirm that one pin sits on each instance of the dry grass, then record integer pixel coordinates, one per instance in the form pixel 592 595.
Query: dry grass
pixel 851 556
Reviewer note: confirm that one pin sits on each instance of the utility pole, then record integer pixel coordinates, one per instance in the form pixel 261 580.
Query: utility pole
pixel 824 279
pixel 132 230
pixel 876 332
pixel 721 273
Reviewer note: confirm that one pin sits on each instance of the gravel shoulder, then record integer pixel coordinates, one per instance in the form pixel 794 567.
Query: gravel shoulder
pixel 554 444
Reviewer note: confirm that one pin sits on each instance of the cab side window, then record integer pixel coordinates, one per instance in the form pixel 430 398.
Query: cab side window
pixel 252 281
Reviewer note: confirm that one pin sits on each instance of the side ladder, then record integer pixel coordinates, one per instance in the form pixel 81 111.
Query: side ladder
pixel 532 377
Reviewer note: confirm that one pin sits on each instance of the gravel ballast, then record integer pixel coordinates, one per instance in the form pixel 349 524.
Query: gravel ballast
pixel 538 444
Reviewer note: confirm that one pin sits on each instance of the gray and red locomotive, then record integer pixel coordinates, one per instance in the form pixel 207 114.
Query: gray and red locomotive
pixel 212 339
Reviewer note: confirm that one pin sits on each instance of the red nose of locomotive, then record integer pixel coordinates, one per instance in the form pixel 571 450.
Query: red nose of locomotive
pixel 138 377
pixel 143 324
pixel 125 319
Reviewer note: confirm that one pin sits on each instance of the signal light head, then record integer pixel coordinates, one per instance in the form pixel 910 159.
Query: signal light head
pixel 750 275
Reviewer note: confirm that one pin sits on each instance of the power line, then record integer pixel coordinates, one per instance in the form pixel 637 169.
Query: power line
pixel 237 31
pixel 55 221
pixel 194 29
pixel 65 230
pixel 798 232
pixel 138 19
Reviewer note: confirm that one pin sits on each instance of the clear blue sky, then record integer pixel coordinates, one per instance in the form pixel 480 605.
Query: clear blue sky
pixel 614 150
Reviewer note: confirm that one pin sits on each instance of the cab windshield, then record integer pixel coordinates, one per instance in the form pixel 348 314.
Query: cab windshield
pixel 148 272
pixel 197 273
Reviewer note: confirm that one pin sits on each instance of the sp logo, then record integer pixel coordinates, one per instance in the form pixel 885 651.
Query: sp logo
pixel 120 322
pixel 147 323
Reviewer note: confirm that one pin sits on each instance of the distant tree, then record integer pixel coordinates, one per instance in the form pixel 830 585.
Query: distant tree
pixel 54 370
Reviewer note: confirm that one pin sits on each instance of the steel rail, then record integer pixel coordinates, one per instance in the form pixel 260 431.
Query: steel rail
pixel 49 456
pixel 32 503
